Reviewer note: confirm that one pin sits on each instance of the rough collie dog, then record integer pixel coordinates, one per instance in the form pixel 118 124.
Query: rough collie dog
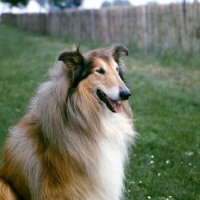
pixel 73 141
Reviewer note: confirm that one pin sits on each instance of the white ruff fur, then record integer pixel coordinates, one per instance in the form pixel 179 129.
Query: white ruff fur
pixel 114 152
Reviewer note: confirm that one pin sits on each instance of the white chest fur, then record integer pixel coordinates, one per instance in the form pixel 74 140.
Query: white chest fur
pixel 119 134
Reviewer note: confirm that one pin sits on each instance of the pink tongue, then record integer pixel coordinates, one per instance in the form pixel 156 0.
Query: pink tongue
pixel 118 106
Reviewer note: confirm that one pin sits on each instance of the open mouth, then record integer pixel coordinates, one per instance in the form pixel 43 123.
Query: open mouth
pixel 112 105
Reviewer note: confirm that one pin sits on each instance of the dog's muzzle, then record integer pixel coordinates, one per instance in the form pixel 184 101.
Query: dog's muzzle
pixel 114 105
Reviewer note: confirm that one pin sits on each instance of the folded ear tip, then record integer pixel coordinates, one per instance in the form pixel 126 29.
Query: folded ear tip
pixel 125 49
pixel 127 53
pixel 75 49
pixel 120 50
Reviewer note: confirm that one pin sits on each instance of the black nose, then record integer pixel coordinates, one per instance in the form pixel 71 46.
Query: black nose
pixel 124 94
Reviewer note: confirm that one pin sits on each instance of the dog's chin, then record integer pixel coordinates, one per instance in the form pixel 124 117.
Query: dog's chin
pixel 113 105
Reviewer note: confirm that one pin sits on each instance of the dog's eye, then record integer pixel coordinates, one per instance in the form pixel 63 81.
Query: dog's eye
pixel 101 71
pixel 117 68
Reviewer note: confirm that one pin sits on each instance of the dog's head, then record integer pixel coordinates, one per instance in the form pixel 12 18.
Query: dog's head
pixel 101 72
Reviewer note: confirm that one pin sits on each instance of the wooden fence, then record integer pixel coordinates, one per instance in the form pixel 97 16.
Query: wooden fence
pixel 149 28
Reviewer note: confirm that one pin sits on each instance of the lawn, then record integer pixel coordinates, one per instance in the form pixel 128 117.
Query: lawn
pixel 165 162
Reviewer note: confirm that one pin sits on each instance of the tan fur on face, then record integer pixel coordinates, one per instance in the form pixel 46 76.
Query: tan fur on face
pixel 69 146
pixel 111 77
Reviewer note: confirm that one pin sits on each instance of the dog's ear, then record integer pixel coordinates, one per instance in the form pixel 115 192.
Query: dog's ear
pixel 119 50
pixel 73 59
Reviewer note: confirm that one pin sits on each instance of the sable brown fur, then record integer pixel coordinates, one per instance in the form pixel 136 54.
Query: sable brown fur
pixel 70 145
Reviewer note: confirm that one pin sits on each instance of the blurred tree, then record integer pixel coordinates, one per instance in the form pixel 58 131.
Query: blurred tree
pixel 64 4
pixel 116 3
pixel 105 4
pixel 17 3
pixel 121 3
pixel 77 2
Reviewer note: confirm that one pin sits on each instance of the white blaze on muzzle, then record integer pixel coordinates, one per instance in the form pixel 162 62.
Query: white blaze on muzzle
pixel 113 97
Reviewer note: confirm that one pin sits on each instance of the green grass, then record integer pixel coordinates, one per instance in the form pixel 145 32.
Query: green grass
pixel 165 163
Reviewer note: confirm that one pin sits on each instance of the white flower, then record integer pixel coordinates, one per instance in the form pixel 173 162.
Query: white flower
pixel 151 162
pixel 167 161
pixel 190 153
